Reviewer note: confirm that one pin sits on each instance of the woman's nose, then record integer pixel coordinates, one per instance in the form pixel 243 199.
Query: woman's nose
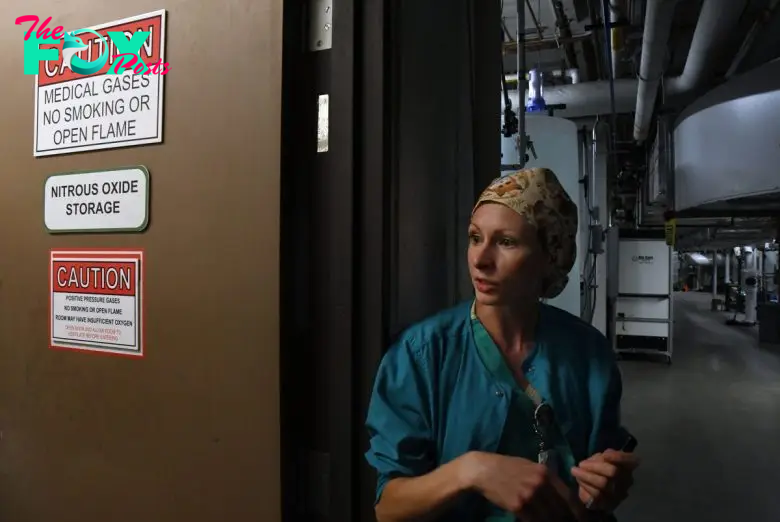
pixel 482 257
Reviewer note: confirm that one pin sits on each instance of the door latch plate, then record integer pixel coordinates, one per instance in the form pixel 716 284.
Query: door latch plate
pixel 320 25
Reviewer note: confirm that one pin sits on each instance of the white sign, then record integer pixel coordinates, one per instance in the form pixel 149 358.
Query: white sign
pixel 96 301
pixel 78 113
pixel 100 201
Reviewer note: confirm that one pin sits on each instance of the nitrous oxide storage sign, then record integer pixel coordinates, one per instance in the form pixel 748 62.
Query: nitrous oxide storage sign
pixel 79 113
pixel 97 301
pixel 108 200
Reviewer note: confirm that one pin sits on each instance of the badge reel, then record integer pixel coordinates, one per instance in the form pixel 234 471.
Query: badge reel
pixel 543 422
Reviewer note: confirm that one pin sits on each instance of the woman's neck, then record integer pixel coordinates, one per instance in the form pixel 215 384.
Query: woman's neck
pixel 511 327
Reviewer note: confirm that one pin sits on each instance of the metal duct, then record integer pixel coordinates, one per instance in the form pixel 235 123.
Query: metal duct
pixel 585 98
pixel 697 258
pixel 717 17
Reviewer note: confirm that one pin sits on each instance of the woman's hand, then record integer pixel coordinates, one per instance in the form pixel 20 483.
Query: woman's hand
pixel 524 488
pixel 605 479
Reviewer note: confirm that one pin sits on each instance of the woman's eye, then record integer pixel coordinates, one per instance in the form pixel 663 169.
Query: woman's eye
pixel 507 242
pixel 473 238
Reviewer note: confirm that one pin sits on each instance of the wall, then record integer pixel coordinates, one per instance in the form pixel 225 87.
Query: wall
pixel 191 431
pixel 726 144
pixel 556 143
pixel 599 170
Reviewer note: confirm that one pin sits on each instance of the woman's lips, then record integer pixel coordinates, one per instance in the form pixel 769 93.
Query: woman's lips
pixel 484 286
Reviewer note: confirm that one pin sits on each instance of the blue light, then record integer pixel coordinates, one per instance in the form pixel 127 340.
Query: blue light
pixel 535 101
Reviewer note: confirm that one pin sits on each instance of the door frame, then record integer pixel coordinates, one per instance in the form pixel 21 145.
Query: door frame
pixel 335 230
pixel 340 287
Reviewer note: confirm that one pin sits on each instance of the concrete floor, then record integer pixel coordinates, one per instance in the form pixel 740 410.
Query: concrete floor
pixel 708 425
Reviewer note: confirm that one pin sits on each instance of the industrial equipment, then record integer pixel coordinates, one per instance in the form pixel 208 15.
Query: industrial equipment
pixel 751 298
pixel 642 311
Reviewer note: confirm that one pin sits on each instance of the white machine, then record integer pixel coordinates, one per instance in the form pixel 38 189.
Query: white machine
pixel 751 297
pixel 642 312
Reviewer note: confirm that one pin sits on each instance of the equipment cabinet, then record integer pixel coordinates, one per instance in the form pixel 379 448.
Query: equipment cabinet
pixel 642 311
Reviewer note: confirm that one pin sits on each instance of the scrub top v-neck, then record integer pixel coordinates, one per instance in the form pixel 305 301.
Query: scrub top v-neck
pixel 519 438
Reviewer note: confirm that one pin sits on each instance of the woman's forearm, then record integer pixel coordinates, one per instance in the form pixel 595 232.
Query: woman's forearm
pixel 419 499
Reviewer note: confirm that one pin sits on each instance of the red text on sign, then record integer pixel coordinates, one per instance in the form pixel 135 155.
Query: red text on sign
pixel 94 277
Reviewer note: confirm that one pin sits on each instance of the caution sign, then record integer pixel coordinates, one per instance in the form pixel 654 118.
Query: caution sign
pixel 670 231
pixel 78 113
pixel 97 301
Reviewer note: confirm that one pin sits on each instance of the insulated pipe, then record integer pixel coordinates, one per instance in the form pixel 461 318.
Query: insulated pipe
pixel 717 18
pixel 595 141
pixel 592 98
pixel 584 98
pixel 571 74
pixel 612 108
pixel 714 274
pixel 599 151
pixel 727 273
pixel 616 37
pixel 659 15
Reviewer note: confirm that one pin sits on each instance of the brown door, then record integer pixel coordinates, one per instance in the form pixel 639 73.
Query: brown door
pixel 190 432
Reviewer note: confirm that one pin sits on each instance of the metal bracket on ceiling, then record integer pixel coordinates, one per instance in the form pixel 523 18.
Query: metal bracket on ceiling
pixel 320 25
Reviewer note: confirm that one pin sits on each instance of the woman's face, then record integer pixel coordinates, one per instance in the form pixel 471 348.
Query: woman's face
pixel 506 259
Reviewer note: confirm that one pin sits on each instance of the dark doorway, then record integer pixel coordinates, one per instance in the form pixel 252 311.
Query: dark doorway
pixel 371 228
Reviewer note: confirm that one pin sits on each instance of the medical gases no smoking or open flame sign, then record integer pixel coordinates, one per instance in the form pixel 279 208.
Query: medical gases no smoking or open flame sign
pixel 78 113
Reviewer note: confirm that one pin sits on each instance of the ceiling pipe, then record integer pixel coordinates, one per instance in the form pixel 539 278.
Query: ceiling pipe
pixel 617 36
pixel 564 29
pixel 593 98
pixel 585 98
pixel 717 18
pixel 659 15
pixel 572 74
pixel 697 258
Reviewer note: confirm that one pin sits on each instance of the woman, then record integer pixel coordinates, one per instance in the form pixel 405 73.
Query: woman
pixel 503 408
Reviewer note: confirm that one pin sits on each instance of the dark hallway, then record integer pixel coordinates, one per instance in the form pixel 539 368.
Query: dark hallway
pixel 708 426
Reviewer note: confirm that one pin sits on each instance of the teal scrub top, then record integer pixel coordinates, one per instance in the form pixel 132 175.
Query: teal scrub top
pixel 439 393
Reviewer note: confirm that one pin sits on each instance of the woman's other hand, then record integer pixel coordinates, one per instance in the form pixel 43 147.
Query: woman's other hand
pixel 524 488
pixel 605 479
